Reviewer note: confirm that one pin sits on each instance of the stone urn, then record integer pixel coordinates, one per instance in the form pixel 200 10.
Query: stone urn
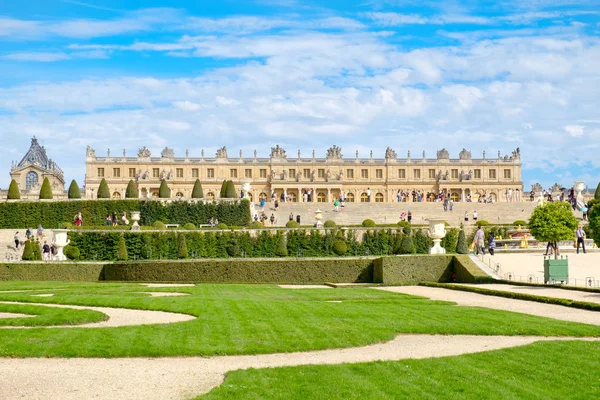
pixel 318 218
pixel 579 186
pixel 437 231
pixel 246 189
pixel 135 217
pixel 60 241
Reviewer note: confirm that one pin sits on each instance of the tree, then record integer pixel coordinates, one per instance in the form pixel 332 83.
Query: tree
pixel 461 245
pixel 397 247
pixel 223 189
pixel 122 254
pixel 553 222
pixel 164 192
pixel 46 190
pixel 182 250
pixel 406 247
pixel 230 192
pixel 594 218
pixel 74 192
pixel 197 190
pixel 281 250
pixel 597 194
pixel 13 191
pixel 28 251
pixel 103 190
pixel 131 192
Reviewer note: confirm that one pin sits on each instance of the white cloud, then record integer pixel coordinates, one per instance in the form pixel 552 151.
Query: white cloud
pixel 37 56
pixel 187 105
pixel 574 130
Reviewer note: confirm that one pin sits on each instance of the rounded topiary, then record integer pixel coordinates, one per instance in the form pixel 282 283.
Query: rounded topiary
pixel 74 192
pixel 182 250
pixel 28 251
pixel 281 250
pixel 122 254
pixel 290 224
pixel 329 224
pixel 520 222
pixel 483 222
pixel 256 225
pixel 132 191
pixel 163 191
pixel 369 223
pixel 159 225
pixel 72 252
pixel 13 191
pixel 339 247
pixel 233 249
pixel 461 245
pixel 197 190
pixel 189 226
pixel 103 190
pixel 222 225
pixel 46 190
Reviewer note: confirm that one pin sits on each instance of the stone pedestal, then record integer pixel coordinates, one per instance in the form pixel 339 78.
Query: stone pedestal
pixel 60 241
pixel 437 231
pixel 318 218
pixel 135 217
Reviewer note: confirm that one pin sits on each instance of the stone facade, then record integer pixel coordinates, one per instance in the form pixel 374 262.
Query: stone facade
pixel 325 177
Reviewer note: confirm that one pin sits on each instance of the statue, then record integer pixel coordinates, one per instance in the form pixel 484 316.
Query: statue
pixel 145 176
pixel 341 174
pixel 423 154
pixel 470 176
pixel 144 153
pixel 446 175
pixel 499 156
pixel 277 152
pixel 284 173
pixel 298 154
pixel 484 154
pixel 390 154
pixel 313 154
pixel 371 155
pixel 462 175
pixel 334 152
pixel 222 152
pixel 124 153
pixel 441 154
pixel 108 154
pixel 328 175
pixel 516 153
pixel 170 174
pixel 312 175
pixel 167 153
pixel 466 155
pixel 240 154
pixel 187 153
pixel 255 154
pixel 90 153
pixel 273 174
pixel 357 154
pixel 163 173
pixel 408 155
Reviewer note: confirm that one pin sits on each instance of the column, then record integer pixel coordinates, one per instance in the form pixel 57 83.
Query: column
pixel 139 192
pixel 285 194
pixel 314 195
pixel 328 195
pixel 462 195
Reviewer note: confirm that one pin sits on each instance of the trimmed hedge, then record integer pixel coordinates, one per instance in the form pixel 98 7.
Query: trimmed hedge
pixel 467 271
pixel 74 192
pixel 46 190
pixel 13 191
pixel 44 271
pixel 16 215
pixel 245 271
pixel 401 270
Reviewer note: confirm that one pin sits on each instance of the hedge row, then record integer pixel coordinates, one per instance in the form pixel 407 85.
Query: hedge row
pixel 466 271
pixel 88 272
pixel 402 270
pixel 16 215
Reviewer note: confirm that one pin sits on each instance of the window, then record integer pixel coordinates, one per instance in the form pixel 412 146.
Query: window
pixel 364 198
pixel 350 198
pixel 155 172
pixel 210 195
pixel 379 173
pixel 31 179
pixel 321 173
pixel 233 173
pixel 179 195
pixel 379 198
pixel 492 174
pixel 248 173
pixel 132 172
pixel 350 174
pixel 364 173
pixel 402 173
pixel 263 173
pixel 210 173
pixel 293 173
pixel 507 174
pixel 100 172
pixel 417 174
pixel 116 195
pixel 321 198
pixel 431 173
pixel 477 174
pixel 454 174
pixel 116 172
pixel 179 173
pixel 194 172
pixel 306 173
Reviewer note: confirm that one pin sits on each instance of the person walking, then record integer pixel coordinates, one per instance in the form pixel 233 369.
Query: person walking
pixel 17 239
pixel 479 236
pixel 466 217
pixel 368 195
pixel 291 218
pixel 491 243
pixel 409 216
pixel 580 234
pixel 475 216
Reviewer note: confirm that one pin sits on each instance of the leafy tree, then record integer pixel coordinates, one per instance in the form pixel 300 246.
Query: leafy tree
pixel 131 192
pixel 421 242
pixel 182 250
pixel 461 246
pixel 164 192
pixel 553 222
pixel 281 250
pixel 594 218
pixel 74 192
pixel 597 194
pixel 46 190
pixel 197 190
pixel 122 254
pixel 103 190
pixel 13 191
pixel 230 192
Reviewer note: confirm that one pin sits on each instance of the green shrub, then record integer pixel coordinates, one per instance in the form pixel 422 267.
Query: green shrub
pixel 132 190
pixel 159 225
pixel 329 224
pixel 421 242
pixel 397 243
pixel 597 193
pixel 103 190
pixel 65 225
pixel 197 190
pixel 230 192
pixel 122 254
pixel 281 246
pixel 450 240
pixel 289 224
pixel 46 190
pixel 37 251
pixel 406 247
pixel 182 251
pixel 189 226
pixel 163 191
pixel 223 191
pixel 258 225
pixel 369 223
pixel 71 252
pixel 28 251
pixel 520 222
pixel 339 247
pixel 483 222
pixel 221 225
pixel 74 192
pixel 13 191
pixel 404 224
pixel 461 245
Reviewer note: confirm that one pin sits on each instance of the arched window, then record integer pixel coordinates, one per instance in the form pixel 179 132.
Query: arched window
pixel 31 179
pixel 379 198
pixel 455 197
pixel 364 198
pixel 116 195
pixel 350 197
pixel 249 196
pixel 262 196
pixel 321 198
pixel 210 195
pixel 179 195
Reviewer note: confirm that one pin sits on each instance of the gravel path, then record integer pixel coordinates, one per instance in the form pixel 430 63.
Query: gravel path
pixel 588 297
pixel 15 315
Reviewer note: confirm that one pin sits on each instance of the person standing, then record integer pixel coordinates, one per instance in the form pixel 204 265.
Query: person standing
pixel 479 236
pixel 466 217
pixel 409 216
pixel 475 216
pixel 580 234
pixel 46 251
pixel 291 217
pixel 17 240
pixel 491 243
pixel 368 195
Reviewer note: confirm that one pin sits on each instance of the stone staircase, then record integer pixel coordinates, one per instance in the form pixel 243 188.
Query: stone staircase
pixel 7 245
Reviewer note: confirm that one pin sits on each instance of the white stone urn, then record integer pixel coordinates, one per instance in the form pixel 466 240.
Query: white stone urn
pixel 246 189
pixel 579 186
pixel 319 217
pixel 135 217
pixel 437 231
pixel 60 241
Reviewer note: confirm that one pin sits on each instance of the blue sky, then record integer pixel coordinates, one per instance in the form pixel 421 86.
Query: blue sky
pixel 413 75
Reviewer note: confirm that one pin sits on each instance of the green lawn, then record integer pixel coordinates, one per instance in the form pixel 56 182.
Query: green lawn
pixel 44 316
pixel 545 370
pixel 251 319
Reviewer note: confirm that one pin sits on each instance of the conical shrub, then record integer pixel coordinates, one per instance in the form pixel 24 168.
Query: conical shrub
pixel 13 191
pixel 182 250
pixel 131 192
pixel 223 192
pixel 281 250
pixel 461 245
pixel 407 245
pixel 46 190
pixel 164 192
pixel 597 194
pixel 230 191
pixel 122 255
pixel 74 192
pixel 28 251
pixel 197 190
pixel 103 190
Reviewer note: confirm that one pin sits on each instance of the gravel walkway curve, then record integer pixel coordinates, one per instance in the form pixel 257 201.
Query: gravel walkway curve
pixel 558 293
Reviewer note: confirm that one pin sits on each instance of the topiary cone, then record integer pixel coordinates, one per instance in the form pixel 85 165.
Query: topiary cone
pixel 74 192
pixel 103 190
pixel 230 192
pixel 131 192
pixel 122 255
pixel 46 190
pixel 13 191
pixel 197 190
pixel 461 245
pixel 164 192
pixel 182 250
pixel 597 194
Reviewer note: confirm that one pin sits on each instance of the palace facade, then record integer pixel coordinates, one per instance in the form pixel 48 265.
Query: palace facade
pixel 326 178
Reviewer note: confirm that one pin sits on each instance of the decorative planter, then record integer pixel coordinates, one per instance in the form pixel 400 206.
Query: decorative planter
pixel 60 240
pixel 556 270
pixel 437 231
pixel 135 217
pixel 318 217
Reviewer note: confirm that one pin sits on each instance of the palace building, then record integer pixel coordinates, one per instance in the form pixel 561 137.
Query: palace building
pixel 324 177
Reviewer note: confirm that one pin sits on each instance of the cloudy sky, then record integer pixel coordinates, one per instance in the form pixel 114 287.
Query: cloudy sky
pixel 249 74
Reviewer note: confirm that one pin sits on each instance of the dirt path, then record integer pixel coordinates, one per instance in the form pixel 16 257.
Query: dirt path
pixel 544 291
